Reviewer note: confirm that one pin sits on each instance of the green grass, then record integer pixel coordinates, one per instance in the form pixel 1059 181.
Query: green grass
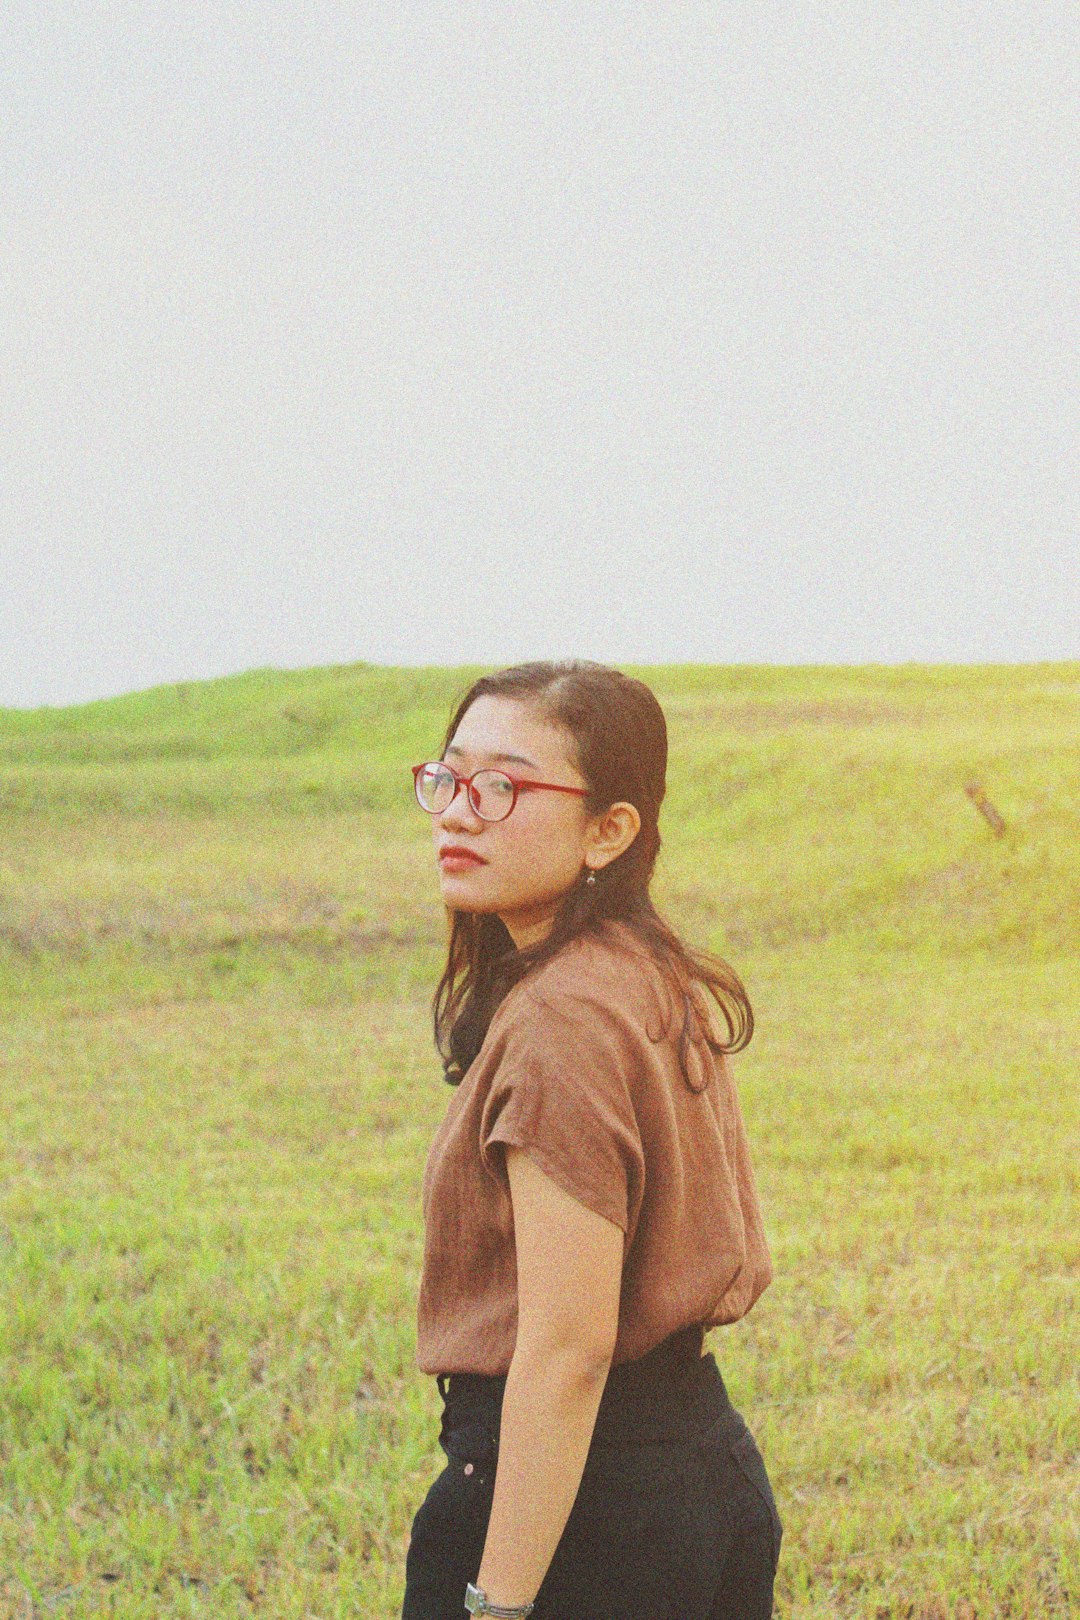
pixel 219 934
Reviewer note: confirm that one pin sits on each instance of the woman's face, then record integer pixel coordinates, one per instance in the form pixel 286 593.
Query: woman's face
pixel 528 861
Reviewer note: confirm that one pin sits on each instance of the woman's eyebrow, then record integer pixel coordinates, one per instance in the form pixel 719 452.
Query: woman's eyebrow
pixel 512 759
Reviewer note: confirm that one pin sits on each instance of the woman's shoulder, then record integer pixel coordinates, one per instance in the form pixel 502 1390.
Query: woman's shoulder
pixel 609 969
pixel 613 973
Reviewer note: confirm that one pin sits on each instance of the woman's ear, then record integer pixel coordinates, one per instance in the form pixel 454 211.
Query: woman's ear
pixel 615 831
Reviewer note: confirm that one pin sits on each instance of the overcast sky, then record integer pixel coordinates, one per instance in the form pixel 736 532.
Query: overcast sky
pixel 441 332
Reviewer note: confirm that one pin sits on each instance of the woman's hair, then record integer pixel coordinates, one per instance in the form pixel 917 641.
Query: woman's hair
pixel 619 746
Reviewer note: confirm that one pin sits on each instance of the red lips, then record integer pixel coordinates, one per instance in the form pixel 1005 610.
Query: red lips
pixel 459 849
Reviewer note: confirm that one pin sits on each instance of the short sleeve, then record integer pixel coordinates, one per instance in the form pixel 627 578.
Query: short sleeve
pixel 562 1093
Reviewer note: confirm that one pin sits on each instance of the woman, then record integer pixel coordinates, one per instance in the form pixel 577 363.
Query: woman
pixel 588 1199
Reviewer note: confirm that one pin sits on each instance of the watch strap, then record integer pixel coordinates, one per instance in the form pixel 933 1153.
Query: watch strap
pixel 476 1602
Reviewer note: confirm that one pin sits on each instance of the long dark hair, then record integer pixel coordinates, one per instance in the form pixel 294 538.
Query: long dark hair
pixel 619 737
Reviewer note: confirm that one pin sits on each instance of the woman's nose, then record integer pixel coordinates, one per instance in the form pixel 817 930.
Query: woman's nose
pixel 459 812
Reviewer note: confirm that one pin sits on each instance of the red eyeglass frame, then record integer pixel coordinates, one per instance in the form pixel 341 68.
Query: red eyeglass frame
pixel 516 782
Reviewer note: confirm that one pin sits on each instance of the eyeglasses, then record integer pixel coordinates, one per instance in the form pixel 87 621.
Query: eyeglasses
pixel 492 794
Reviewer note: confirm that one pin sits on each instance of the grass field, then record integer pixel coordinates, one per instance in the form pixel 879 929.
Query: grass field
pixel 219 934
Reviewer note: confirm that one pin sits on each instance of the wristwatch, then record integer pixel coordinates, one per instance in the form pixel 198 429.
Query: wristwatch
pixel 476 1602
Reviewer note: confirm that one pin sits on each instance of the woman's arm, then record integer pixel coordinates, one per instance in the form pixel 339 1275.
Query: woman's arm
pixel 569 1271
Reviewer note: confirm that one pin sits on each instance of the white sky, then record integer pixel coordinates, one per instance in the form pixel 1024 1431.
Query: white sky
pixel 436 332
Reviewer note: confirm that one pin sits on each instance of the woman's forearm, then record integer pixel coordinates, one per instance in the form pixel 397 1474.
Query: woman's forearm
pixel 549 1411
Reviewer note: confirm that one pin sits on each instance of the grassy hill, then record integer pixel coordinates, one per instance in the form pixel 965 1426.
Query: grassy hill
pixel 219 933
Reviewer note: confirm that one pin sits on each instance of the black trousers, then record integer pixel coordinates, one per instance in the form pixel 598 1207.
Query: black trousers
pixel 674 1519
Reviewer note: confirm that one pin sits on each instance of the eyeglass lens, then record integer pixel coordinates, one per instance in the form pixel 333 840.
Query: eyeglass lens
pixel 491 793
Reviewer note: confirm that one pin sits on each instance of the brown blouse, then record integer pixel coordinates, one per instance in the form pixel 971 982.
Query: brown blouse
pixel 571 1071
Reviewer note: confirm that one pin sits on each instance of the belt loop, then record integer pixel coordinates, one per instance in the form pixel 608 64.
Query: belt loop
pixel 441 1379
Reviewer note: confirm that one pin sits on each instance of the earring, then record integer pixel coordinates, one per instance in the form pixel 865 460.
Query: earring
pixel 591 879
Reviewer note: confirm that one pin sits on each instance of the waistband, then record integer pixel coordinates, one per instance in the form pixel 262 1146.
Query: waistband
pixel 673 1393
